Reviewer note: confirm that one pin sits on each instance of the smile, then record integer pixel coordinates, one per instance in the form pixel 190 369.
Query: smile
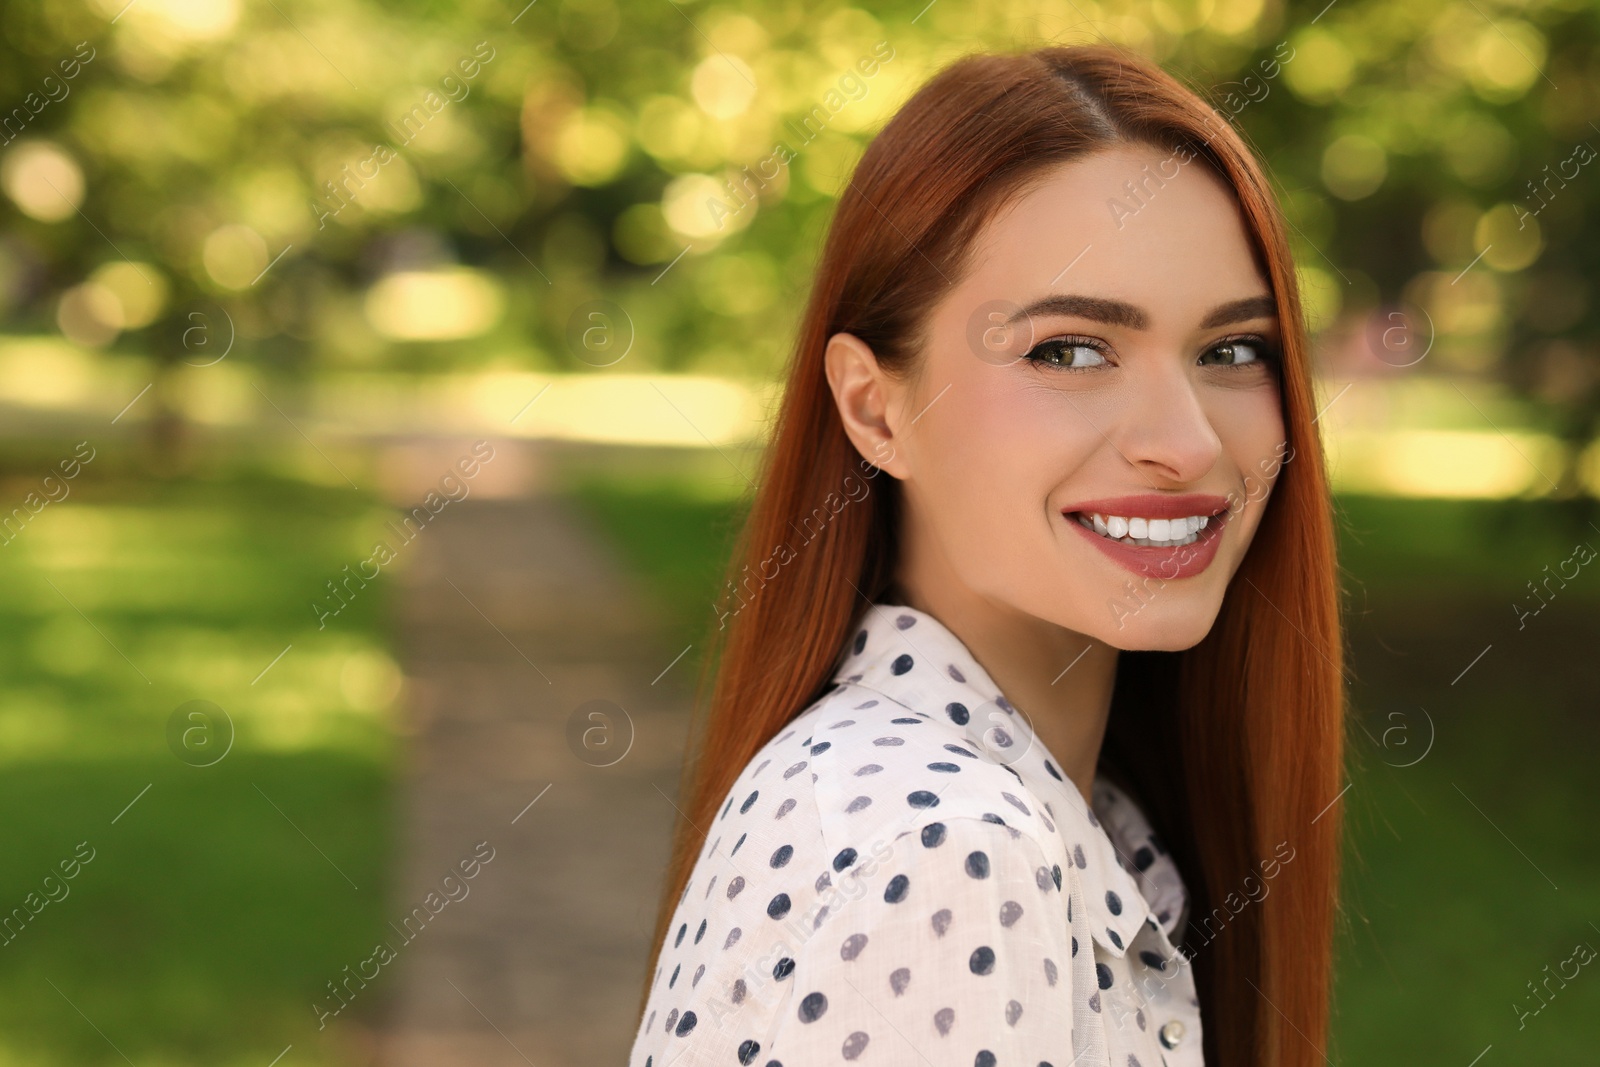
pixel 1154 535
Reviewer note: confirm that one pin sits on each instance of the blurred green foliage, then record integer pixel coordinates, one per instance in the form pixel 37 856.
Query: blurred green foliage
pixel 571 149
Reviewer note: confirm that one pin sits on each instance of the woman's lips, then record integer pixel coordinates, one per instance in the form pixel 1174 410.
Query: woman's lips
pixel 1160 561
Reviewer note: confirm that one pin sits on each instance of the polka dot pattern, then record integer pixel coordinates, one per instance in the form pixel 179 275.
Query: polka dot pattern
pixel 912 878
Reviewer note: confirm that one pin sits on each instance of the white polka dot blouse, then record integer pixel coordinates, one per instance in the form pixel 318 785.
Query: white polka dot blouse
pixel 904 876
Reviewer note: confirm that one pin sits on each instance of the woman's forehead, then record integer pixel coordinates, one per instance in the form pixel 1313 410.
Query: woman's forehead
pixel 1118 225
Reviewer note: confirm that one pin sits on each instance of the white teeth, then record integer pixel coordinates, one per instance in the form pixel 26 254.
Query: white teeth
pixel 1159 533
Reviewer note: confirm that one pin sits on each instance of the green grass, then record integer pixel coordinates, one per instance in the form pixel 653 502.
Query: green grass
pixel 1478 547
pixel 677 531
pixel 221 901
pixel 1467 874
pixel 205 925
pixel 1471 870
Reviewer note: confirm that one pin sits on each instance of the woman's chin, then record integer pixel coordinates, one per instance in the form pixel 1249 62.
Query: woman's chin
pixel 1156 630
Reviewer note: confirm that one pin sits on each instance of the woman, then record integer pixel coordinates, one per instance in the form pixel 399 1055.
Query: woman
pixel 1029 752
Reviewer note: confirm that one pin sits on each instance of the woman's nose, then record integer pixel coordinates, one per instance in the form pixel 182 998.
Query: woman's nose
pixel 1165 432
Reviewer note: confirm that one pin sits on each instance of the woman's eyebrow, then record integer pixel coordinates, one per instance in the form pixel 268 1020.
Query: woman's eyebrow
pixel 1122 313
pixel 1251 307
pixel 1099 309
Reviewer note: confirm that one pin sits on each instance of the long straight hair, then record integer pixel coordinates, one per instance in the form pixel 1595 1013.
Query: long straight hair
pixel 1235 746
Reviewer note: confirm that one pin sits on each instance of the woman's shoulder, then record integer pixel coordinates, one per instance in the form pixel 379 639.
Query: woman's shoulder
pixel 873 769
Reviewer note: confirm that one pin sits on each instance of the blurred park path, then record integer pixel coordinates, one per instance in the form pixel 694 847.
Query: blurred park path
pixel 514 613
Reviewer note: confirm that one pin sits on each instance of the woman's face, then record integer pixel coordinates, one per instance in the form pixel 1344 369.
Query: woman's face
pixel 1094 425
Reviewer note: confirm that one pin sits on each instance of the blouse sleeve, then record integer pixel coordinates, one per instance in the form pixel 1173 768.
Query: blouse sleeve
pixel 951 945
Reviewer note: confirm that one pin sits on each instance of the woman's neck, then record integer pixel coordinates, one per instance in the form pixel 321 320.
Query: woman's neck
pixel 1059 679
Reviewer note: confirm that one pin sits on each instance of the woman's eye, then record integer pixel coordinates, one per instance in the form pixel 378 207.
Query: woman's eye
pixel 1235 354
pixel 1069 355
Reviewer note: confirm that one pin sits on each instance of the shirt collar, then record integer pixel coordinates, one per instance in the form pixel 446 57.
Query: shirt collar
pixel 1126 874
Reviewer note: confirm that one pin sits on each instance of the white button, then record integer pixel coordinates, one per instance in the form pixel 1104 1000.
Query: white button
pixel 1172 1033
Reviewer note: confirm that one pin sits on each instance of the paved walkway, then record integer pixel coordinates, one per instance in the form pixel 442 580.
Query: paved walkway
pixel 513 615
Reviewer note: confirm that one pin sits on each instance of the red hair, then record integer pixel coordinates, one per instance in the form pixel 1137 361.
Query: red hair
pixel 1235 746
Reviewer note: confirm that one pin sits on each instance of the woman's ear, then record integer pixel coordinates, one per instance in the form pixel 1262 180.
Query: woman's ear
pixel 868 401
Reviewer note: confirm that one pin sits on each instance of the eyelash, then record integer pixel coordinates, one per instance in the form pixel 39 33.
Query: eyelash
pixel 1267 353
